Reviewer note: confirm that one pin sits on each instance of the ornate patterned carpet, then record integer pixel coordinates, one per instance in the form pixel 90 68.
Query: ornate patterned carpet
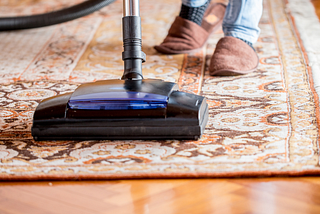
pixel 261 124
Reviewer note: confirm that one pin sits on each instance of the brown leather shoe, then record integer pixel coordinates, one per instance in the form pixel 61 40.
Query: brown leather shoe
pixel 185 36
pixel 233 56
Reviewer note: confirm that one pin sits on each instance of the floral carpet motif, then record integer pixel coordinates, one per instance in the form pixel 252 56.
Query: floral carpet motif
pixel 261 124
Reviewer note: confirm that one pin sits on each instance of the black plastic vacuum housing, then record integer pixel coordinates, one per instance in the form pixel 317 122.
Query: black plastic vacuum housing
pixel 54 17
pixel 130 108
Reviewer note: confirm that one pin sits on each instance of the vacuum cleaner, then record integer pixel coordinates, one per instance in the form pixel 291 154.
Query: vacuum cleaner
pixel 128 108
pixel 54 17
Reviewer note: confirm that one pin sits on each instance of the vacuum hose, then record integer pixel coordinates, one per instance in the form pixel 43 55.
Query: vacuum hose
pixel 52 18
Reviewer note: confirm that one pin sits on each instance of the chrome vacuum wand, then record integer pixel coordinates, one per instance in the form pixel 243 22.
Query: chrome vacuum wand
pixel 132 55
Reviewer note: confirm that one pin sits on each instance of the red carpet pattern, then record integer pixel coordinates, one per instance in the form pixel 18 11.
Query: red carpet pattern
pixel 261 124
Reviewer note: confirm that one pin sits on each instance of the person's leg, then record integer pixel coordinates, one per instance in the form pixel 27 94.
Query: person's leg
pixel 242 18
pixel 192 28
pixel 234 53
pixel 193 3
pixel 193 10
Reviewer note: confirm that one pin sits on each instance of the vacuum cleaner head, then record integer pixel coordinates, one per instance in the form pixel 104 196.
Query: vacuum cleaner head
pixel 131 108
pixel 121 109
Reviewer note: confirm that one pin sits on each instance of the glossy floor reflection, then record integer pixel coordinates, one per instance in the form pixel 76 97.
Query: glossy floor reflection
pixel 264 195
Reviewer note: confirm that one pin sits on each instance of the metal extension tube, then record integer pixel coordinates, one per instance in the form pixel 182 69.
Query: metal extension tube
pixel 131 8
pixel 132 55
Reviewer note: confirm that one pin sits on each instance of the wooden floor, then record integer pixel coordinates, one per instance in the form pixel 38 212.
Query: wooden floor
pixel 268 195
pixel 264 195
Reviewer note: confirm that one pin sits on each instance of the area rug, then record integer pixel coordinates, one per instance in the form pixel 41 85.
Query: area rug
pixel 262 124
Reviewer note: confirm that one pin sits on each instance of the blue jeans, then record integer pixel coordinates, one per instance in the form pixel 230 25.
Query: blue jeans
pixel 241 19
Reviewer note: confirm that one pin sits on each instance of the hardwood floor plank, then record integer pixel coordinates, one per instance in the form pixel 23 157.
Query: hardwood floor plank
pixel 224 204
pixel 2 211
pixel 96 192
pixel 302 191
pixel 281 197
pixel 15 207
pixel 208 192
pixel 313 180
pixel 218 196
pixel 182 197
pixel 45 203
pixel 68 198
pixel 139 189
